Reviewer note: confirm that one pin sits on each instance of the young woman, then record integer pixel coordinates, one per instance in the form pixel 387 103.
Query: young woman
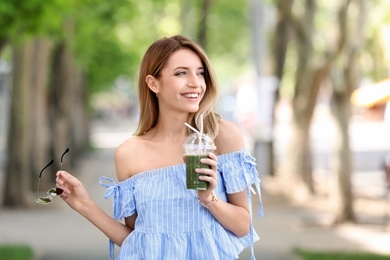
pixel 155 215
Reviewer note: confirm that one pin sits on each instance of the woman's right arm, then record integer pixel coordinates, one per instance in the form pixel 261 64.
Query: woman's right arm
pixel 77 197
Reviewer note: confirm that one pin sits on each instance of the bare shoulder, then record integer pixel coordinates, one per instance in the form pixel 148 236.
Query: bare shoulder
pixel 229 138
pixel 125 157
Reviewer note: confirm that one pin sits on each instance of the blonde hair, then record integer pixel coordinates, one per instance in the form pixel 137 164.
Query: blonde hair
pixel 152 63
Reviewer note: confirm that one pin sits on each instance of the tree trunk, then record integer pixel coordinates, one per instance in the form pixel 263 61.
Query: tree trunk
pixel 69 117
pixel 17 170
pixel 280 43
pixel 299 162
pixel 187 18
pixel 40 134
pixel 79 116
pixel 281 39
pixel 311 72
pixel 61 101
pixel 342 164
pixel 28 142
pixel 297 168
pixel 202 30
pixel 342 90
pixel 3 43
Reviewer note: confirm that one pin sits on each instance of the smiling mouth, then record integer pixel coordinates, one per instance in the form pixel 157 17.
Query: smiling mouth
pixel 191 95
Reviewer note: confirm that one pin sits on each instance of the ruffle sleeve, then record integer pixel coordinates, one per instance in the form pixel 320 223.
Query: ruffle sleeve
pixel 123 201
pixel 238 170
pixel 123 197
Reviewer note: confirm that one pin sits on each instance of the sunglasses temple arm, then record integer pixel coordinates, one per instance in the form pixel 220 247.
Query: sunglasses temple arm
pixel 62 156
pixel 50 163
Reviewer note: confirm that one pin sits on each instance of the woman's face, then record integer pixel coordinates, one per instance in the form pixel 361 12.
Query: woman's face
pixel 181 85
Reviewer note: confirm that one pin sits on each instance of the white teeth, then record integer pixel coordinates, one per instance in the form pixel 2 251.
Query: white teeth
pixel 191 95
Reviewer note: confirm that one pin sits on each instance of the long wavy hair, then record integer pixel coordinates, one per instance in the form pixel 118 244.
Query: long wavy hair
pixel 154 60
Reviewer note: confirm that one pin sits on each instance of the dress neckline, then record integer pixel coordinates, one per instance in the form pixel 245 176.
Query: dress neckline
pixel 171 168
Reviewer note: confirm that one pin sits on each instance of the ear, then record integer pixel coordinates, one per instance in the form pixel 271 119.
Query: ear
pixel 152 83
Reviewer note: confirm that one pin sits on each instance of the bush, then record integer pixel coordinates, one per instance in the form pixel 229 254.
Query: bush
pixel 311 255
pixel 16 252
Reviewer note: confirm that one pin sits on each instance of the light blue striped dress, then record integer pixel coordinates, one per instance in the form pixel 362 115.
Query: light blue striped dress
pixel 171 223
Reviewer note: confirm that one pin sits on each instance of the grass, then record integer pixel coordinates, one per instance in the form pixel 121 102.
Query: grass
pixel 16 252
pixel 311 255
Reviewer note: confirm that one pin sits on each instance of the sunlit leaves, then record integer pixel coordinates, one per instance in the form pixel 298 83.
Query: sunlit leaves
pixel 110 37
pixel 19 19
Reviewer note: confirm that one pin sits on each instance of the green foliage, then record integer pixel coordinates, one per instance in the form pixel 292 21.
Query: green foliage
pixel 112 36
pixel 374 59
pixel 311 255
pixel 21 19
pixel 229 38
pixel 109 38
pixel 16 252
pixel 97 47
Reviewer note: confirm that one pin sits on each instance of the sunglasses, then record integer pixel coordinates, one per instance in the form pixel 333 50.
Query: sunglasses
pixel 53 192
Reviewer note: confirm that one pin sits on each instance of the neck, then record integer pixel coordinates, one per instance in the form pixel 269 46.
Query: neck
pixel 171 128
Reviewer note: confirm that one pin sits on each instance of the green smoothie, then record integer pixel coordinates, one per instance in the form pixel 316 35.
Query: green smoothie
pixel 193 162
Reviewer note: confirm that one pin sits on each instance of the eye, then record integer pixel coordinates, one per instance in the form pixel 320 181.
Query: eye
pixel 201 73
pixel 180 73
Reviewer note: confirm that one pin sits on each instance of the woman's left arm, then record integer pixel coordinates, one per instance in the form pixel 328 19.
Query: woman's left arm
pixel 234 214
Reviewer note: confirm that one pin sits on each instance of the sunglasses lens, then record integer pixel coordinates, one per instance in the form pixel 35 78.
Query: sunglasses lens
pixel 43 200
pixel 55 192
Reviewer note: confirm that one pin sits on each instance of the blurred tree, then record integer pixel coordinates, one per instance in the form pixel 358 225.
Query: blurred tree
pixel 229 39
pixel 38 125
pixel 28 128
pixel 187 18
pixel 17 181
pixel 374 60
pixel 312 69
pixel 68 103
pixel 281 39
pixel 345 79
pixel 279 43
pixel 19 22
pixel 34 128
pixel 202 30
pixel 345 55
pixel 101 41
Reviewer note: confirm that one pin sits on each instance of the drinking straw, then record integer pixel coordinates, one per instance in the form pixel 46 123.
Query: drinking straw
pixel 200 135
pixel 193 129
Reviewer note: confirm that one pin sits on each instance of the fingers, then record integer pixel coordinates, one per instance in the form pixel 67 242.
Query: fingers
pixel 67 182
pixel 63 176
pixel 62 184
pixel 212 161
pixel 209 175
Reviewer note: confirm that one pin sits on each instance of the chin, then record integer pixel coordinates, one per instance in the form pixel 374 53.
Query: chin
pixel 194 109
pixel 190 108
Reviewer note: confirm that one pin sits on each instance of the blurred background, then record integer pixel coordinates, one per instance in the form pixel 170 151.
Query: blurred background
pixel 307 81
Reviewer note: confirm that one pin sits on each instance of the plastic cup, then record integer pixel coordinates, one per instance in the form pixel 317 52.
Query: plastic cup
pixel 195 150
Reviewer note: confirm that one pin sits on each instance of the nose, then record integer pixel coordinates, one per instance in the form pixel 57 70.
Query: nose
pixel 195 80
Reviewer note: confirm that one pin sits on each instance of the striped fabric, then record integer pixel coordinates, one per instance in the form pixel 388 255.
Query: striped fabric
pixel 171 223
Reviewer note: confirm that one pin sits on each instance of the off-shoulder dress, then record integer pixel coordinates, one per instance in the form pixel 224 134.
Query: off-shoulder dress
pixel 171 223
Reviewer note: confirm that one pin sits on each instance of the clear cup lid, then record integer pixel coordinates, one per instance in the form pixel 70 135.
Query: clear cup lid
pixel 194 141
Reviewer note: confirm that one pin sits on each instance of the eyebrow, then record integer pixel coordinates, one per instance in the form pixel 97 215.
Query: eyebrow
pixel 186 68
